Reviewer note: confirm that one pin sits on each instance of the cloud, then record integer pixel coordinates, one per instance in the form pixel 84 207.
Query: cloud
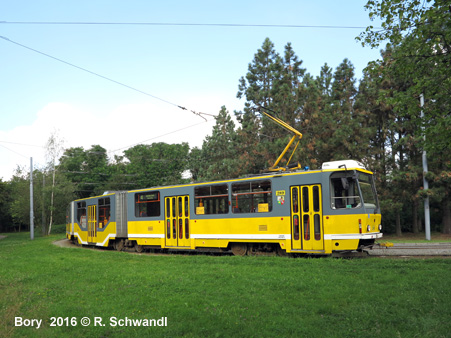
pixel 115 130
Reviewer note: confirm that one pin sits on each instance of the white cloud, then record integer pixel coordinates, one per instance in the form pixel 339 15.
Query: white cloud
pixel 114 130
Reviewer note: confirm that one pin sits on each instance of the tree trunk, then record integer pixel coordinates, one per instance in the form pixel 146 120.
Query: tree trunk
pixel 415 217
pixel 51 202
pixel 398 223
pixel 446 219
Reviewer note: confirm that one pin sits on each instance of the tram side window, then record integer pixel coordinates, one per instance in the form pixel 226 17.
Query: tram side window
pixel 147 204
pixel 250 197
pixel 81 214
pixel 344 192
pixel 211 199
pixel 104 211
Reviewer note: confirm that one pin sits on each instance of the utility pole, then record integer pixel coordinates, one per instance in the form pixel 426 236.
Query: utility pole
pixel 31 200
pixel 427 221
pixel 43 204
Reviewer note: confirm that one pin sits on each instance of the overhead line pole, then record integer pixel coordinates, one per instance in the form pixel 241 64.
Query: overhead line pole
pixel 427 218
pixel 31 200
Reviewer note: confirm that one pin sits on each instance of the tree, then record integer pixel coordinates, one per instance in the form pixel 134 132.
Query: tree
pixel 382 126
pixel 88 170
pixel 257 88
pixel 315 110
pixel 219 157
pixel 336 129
pixel 54 148
pixel 20 198
pixel 157 164
pixel 72 163
pixel 419 34
pixel 5 202
pixel 275 84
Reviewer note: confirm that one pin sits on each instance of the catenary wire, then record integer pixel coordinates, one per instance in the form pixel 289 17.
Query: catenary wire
pixel 200 114
pixel 153 138
pixel 15 152
pixel 22 144
pixel 178 24
pixel 104 77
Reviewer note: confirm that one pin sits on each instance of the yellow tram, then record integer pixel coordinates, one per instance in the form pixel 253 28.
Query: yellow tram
pixel 332 209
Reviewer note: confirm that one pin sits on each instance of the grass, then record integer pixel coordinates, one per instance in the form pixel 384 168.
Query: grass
pixel 219 296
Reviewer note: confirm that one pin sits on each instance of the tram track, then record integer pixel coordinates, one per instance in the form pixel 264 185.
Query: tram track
pixel 396 250
pixel 411 249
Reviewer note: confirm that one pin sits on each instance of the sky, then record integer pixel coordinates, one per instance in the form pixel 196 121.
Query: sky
pixel 48 83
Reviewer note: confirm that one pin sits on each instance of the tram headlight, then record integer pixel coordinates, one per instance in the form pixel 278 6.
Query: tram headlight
pixel 380 227
pixel 368 228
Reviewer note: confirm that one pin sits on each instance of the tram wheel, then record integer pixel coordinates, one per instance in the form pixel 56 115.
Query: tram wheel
pixel 281 252
pixel 239 249
pixel 119 245
pixel 139 248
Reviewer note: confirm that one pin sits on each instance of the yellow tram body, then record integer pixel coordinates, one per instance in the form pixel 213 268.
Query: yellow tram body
pixel 307 212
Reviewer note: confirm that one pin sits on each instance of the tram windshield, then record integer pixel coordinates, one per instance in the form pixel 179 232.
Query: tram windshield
pixel 368 191
pixel 349 189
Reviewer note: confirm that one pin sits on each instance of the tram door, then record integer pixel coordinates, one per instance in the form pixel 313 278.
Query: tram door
pixel 177 227
pixel 92 223
pixel 306 218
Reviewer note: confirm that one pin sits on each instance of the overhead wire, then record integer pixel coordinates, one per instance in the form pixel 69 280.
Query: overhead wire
pixel 153 138
pixel 179 24
pixel 22 144
pixel 13 151
pixel 200 114
pixel 86 70
pixel 104 77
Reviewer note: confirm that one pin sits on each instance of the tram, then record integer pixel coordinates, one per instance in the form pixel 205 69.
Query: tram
pixel 320 212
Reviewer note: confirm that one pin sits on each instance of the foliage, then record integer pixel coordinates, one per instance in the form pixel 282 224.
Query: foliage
pixel 417 61
pixel 157 164
pixel 20 198
pixel 87 170
pixel 84 173
pixel 219 157
pixel 420 35
pixel 5 201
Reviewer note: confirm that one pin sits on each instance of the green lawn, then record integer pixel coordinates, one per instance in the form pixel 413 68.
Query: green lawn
pixel 218 296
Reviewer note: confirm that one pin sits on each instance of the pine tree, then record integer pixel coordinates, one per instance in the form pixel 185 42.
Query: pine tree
pixel 219 157
pixel 275 84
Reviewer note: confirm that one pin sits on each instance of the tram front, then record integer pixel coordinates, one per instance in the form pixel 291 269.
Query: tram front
pixel 352 217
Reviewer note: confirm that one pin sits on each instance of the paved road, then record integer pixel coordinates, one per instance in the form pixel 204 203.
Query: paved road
pixel 412 249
